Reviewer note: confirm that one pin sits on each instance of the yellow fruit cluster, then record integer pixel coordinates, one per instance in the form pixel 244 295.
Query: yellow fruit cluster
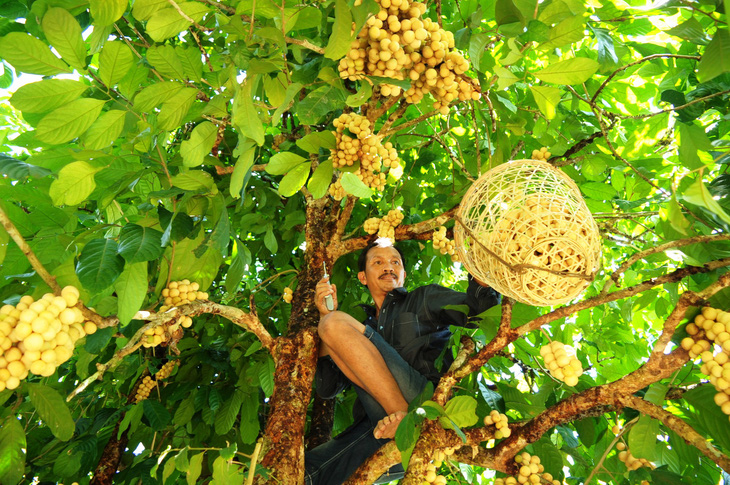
pixel 531 471
pixel 432 475
pixel 714 350
pixel 149 383
pixel 500 422
pixel 398 42
pixel 385 227
pixel 38 336
pixel 562 362
pixel 356 142
pixel 442 243
pixel 631 462
pixel 541 154
pixel 288 294
pixel 180 293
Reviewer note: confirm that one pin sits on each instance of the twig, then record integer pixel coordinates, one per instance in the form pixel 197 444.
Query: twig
pixel 254 458
pixel 305 43
pixel 659 249
pixel 25 248
pixel 675 108
pixel 187 17
pixel 608 450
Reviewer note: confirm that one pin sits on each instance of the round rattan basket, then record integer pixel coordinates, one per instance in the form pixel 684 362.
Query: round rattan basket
pixel 524 229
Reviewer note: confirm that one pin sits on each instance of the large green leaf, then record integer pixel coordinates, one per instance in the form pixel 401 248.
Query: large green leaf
pixel 294 179
pixel 698 194
pixel 175 108
pixel 195 180
pixel 354 186
pixel 320 102
pixel 321 179
pixel 242 170
pixel 566 32
pixel 43 96
pixel 691 139
pixel 153 96
pixel 716 59
pixel 168 22
pixel 339 42
pixel 312 142
pixel 74 184
pixel 105 130
pixel 570 71
pixel 64 33
pixel 99 264
pixel 201 141
pixel 70 121
pixel 52 409
pixel 28 54
pixel 547 99
pixel 196 466
pixel 282 162
pixel 461 410
pixel 166 61
pixel 12 450
pixel 245 116
pixel 138 243
pixel 106 12
pixel 156 414
pixel 143 9
pixel 115 61
pixel 131 289
pixel 643 438
pixel 227 414
pixel 16 169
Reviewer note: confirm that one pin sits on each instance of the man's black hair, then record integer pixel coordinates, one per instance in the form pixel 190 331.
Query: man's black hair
pixel 362 260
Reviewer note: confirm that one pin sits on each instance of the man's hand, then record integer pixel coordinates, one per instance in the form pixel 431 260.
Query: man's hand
pixel 323 289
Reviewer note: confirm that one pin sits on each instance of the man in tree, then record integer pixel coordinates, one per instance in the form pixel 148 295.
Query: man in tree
pixel 389 357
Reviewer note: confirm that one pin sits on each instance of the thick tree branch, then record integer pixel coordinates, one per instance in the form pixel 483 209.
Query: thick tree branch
pixel 677 425
pixel 32 258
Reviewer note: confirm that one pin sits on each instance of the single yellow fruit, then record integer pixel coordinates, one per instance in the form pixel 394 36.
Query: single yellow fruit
pixel 12 383
pixel 90 328
pixel 16 368
pixel 33 342
pixel 38 367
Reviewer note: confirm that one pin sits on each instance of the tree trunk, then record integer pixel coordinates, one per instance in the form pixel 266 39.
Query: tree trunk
pixel 110 457
pixel 320 430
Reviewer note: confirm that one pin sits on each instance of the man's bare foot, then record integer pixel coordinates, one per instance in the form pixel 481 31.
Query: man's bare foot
pixel 386 427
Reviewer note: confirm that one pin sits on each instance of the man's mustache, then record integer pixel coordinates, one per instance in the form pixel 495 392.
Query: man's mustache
pixel 390 273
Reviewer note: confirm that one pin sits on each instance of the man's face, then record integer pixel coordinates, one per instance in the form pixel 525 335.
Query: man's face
pixel 383 270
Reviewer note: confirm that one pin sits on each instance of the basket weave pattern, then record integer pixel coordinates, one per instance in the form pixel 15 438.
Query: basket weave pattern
pixel 524 229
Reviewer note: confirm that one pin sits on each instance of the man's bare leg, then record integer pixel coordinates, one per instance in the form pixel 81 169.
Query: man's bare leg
pixel 357 358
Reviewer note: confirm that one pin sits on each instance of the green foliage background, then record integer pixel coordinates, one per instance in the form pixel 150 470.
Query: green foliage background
pixel 159 146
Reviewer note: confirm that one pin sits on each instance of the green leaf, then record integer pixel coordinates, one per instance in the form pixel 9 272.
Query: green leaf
pixel 169 469
pixel 105 130
pixel 691 139
pixel 339 42
pixel 245 116
pixel 570 71
pixel 15 169
pixel 167 22
pixel 283 162
pixel 598 191
pixel 74 184
pixel 477 44
pixel 320 102
pixel 195 180
pixel 106 12
pixel 28 54
pixel 227 414
pixel 196 466
pixel 156 414
pixel 547 99
pixel 462 411
pixel 201 141
pixel 432 409
pixel 506 78
pixel 153 96
pixel 138 244
pixel 354 186
pixel 716 59
pixel 643 438
pixel 99 264
pixel 266 375
pixel 294 179
pixel 698 194
pixel 12 450
pixel 43 96
pixel 175 108
pixel 321 179
pixel 64 33
pixel 566 32
pixel 165 60
pixel 115 61
pixel 52 409
pixel 131 289
pixel 242 171
pixel 67 463
pixel 97 341
pixel 408 431
pixel 312 142
pixel 181 460
pixel 184 412
pixel 143 9
pixel 70 121
pixel 225 473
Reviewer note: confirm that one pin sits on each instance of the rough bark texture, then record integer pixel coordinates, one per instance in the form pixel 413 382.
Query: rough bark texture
pixel 320 428
pixel 110 457
pixel 284 435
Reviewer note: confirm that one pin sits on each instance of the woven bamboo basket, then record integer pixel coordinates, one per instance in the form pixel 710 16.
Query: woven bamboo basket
pixel 524 229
